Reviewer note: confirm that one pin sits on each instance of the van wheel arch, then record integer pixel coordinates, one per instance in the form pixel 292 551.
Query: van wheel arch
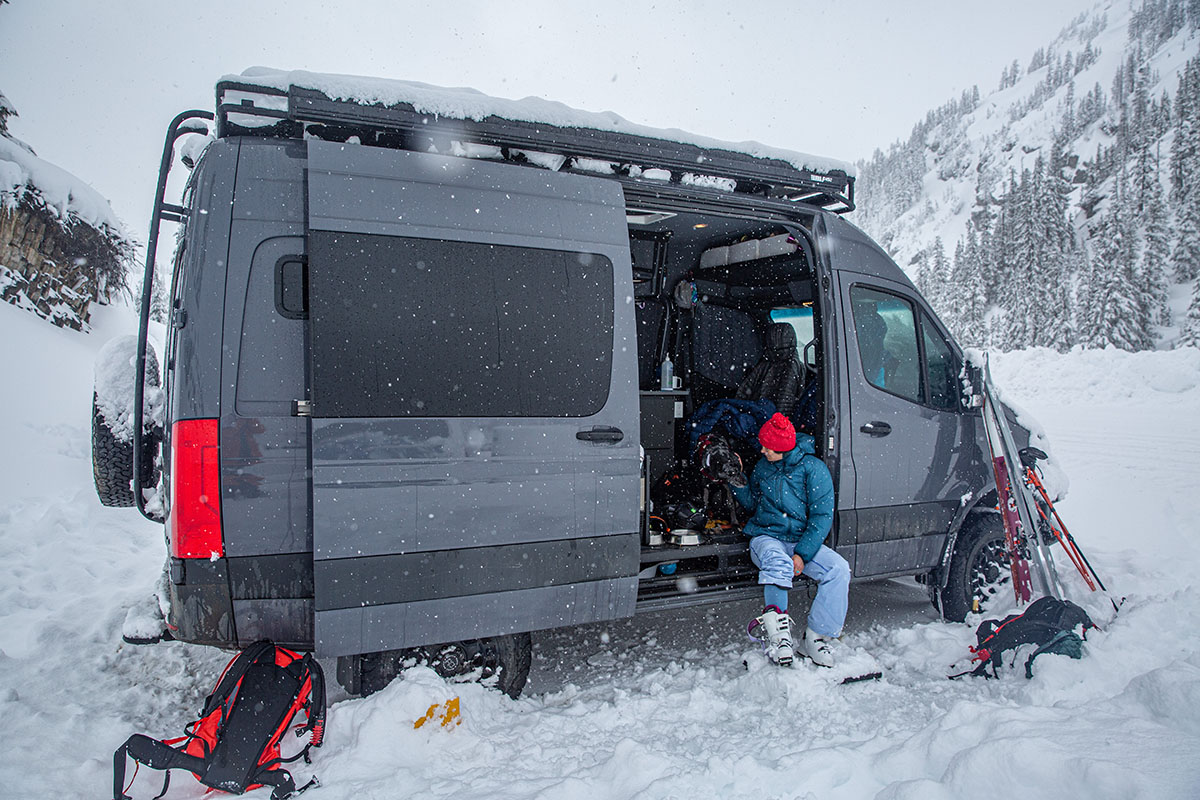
pixel 977 565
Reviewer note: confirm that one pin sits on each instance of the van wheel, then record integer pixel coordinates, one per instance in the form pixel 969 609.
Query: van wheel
pixel 978 568
pixel 501 662
pixel 112 463
pixel 112 451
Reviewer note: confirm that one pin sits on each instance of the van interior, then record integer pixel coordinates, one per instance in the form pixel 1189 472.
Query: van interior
pixel 726 311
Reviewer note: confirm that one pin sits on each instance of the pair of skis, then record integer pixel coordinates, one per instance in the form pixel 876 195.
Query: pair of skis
pixel 1021 494
pixel 1016 501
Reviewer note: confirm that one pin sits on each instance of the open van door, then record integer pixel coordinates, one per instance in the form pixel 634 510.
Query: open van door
pixel 473 394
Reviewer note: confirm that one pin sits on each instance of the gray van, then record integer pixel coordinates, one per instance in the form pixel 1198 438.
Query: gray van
pixel 437 380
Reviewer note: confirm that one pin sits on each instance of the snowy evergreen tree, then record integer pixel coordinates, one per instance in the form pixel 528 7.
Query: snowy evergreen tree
pixel 942 296
pixel 1190 333
pixel 1120 314
pixel 1186 255
pixel 1156 253
pixel 1185 148
pixel 970 301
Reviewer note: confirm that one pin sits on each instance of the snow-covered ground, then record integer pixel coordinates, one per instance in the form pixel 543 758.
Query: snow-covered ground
pixel 659 706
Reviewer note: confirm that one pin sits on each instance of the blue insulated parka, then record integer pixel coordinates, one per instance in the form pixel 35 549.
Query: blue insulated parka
pixel 791 499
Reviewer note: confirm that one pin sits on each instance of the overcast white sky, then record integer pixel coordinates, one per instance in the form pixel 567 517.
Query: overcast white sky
pixel 95 83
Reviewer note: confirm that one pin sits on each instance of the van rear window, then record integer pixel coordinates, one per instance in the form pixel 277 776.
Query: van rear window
pixel 406 327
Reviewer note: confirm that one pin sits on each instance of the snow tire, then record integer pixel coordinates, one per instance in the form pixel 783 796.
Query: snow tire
pixel 112 456
pixel 978 566
pixel 112 463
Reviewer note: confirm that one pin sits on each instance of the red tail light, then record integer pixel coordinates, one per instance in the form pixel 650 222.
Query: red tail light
pixel 194 521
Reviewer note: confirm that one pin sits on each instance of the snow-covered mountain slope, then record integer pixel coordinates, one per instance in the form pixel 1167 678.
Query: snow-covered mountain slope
pixel 659 706
pixel 1094 117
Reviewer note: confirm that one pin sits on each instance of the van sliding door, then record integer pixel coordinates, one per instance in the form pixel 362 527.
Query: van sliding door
pixel 473 393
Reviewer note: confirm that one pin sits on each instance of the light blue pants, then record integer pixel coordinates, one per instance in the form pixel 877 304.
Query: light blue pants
pixel 831 572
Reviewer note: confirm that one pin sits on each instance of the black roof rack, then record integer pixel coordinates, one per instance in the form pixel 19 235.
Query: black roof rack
pixel 250 109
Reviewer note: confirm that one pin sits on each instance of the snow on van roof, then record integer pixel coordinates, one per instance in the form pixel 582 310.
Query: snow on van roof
pixel 465 103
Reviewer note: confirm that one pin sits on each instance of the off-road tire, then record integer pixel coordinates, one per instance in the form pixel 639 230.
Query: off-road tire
pixel 516 656
pixel 112 458
pixel 978 567
pixel 112 463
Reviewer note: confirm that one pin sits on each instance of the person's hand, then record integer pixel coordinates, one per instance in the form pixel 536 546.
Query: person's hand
pixel 797 564
pixel 738 480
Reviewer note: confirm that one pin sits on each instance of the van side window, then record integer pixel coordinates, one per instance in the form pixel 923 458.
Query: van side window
pixel 406 327
pixel 886 328
pixel 941 369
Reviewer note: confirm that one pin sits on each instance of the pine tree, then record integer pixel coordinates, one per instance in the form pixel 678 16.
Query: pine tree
pixel 942 293
pixel 1190 334
pixel 1069 129
pixel 1120 316
pixel 971 301
pixel 1156 253
pixel 1059 261
pixel 1019 251
pixel 1185 148
pixel 1186 255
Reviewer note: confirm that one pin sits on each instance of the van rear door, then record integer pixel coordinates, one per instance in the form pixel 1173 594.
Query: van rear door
pixel 473 398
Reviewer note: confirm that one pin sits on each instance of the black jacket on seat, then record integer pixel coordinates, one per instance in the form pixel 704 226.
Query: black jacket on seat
pixel 778 377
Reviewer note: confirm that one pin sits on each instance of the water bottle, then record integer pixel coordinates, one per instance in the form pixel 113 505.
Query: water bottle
pixel 668 375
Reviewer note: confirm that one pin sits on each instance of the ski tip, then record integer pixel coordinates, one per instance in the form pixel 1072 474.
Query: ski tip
pixel 866 676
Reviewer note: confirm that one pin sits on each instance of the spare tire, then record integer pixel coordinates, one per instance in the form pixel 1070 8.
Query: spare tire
pixel 112 422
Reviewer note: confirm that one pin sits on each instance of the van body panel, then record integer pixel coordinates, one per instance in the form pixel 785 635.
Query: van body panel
pixel 915 464
pixel 193 360
pixel 404 475
pixel 373 628
pixel 264 448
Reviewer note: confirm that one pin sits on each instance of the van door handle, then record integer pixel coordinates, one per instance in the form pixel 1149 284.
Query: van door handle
pixel 601 433
pixel 876 428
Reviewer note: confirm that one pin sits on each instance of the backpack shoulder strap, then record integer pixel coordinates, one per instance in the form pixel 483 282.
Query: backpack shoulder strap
pixel 235 671
pixel 154 754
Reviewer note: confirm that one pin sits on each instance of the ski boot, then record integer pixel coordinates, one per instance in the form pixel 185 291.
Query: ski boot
pixel 774 630
pixel 816 647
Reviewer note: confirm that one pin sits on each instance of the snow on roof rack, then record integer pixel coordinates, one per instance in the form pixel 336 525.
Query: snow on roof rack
pixel 462 122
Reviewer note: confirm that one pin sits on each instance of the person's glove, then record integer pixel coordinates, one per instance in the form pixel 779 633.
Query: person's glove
pixel 738 480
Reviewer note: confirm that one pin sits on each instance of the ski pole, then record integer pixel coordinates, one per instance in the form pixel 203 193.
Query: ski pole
pixel 1072 550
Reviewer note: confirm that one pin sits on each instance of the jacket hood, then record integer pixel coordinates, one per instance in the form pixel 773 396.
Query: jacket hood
pixel 805 445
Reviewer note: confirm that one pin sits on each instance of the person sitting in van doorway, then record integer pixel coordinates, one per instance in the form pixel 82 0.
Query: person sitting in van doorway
pixel 790 498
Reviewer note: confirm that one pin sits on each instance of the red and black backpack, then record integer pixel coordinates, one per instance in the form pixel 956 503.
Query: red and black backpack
pixel 234 745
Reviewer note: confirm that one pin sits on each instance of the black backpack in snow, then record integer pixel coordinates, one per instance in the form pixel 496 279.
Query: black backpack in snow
pixel 1048 623
pixel 234 745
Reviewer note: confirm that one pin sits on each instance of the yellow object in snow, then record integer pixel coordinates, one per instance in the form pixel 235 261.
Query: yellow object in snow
pixel 450 714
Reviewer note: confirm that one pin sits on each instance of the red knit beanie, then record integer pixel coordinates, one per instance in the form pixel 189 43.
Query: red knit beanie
pixel 777 434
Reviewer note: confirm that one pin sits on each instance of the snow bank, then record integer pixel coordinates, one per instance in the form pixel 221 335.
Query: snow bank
pixel 463 103
pixel 65 194
pixel 1109 376
pixel 659 706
